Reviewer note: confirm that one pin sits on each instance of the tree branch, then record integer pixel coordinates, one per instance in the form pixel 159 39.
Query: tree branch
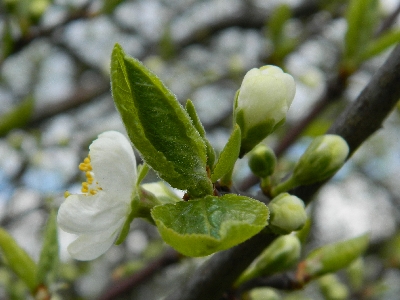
pixel 123 287
pixel 359 121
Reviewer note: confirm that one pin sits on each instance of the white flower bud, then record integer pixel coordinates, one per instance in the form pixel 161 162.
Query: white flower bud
pixel 262 103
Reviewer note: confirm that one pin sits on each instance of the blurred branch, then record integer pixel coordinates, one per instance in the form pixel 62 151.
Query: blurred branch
pixel 38 32
pixel 359 121
pixel 246 16
pixel 80 96
pixel 125 286
pixel 388 22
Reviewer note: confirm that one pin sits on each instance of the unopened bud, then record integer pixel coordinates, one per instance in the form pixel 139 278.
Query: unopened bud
pixel 262 103
pixel 281 255
pixel 287 214
pixel 262 161
pixel 325 155
pixel 333 257
pixel 332 288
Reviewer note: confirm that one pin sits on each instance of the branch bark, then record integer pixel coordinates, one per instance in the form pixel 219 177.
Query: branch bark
pixel 358 122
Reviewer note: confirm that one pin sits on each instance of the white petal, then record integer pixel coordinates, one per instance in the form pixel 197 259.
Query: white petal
pixel 261 97
pixel 91 246
pixel 114 164
pixel 90 214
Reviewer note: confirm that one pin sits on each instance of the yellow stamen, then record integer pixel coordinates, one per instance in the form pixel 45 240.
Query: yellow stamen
pixel 93 192
pixel 83 167
pixel 66 194
pixel 86 160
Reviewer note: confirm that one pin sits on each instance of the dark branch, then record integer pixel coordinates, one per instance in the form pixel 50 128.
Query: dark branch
pixel 125 286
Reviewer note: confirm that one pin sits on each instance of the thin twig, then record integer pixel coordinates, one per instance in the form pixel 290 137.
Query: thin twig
pixel 125 286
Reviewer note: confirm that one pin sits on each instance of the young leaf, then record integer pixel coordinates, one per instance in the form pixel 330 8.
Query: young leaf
pixel 333 257
pixel 361 20
pixel 197 123
pixel 279 17
pixel 49 255
pixel 202 227
pixel 17 117
pixel 382 43
pixel 228 156
pixel 158 126
pixel 18 260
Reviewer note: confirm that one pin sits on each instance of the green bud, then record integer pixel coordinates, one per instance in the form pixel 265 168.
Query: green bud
pixel 332 288
pixel 325 155
pixel 263 293
pixel 281 255
pixel 262 103
pixel 355 273
pixel 18 260
pixel 287 214
pixel 262 161
pixel 333 257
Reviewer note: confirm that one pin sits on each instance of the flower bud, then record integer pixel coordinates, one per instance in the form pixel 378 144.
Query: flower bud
pixel 325 155
pixel 264 293
pixel 287 214
pixel 332 288
pixel 262 161
pixel 261 104
pixel 333 257
pixel 281 255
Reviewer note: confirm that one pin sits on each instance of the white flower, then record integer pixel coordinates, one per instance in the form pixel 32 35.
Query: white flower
pixel 263 101
pixel 98 215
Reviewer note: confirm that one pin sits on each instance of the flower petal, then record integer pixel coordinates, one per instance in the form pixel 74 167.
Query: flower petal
pixel 90 214
pixel 114 164
pixel 91 246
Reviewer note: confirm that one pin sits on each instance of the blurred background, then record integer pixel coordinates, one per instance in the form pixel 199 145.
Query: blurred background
pixel 55 99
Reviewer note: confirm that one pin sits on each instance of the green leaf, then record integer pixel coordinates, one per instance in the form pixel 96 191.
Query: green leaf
pixel 202 227
pixel 228 156
pixel 18 260
pixel 17 117
pixel 110 5
pixel 362 16
pixel 48 260
pixel 191 110
pixel 279 17
pixel 333 257
pixel 382 43
pixel 158 126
